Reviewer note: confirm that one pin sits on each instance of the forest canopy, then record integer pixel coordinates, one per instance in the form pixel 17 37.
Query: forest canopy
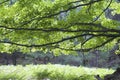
pixel 58 25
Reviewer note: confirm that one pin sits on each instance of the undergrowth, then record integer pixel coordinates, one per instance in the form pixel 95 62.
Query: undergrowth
pixel 50 72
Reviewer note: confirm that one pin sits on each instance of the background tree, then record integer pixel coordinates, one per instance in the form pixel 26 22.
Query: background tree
pixel 59 26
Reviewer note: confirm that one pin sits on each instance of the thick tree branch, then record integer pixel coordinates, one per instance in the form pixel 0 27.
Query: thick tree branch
pixel 55 29
pixel 63 30
pixel 62 40
pixel 42 45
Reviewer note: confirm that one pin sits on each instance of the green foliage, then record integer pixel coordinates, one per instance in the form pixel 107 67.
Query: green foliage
pixel 54 25
pixel 52 72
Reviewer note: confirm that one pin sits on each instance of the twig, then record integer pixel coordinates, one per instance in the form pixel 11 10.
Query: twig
pixel 102 11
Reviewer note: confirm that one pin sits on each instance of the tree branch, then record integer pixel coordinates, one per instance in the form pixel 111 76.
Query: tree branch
pixel 42 29
pixel 62 40
pixel 103 11
pixel 51 15
pixel 102 44
pixel 4 2
pixel 87 40
pixel 87 49
pixel 66 30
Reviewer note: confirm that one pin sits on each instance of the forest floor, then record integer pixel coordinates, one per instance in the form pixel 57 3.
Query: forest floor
pixel 50 72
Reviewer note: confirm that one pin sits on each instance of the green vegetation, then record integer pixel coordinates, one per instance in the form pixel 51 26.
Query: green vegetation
pixel 59 26
pixel 52 72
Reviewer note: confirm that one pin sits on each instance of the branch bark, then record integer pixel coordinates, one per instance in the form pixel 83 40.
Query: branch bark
pixel 102 30
pixel 112 36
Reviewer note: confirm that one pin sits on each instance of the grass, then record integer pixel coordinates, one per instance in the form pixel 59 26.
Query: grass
pixel 52 72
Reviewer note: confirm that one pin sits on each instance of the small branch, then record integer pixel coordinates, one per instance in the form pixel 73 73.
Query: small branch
pixel 88 10
pixel 109 40
pixel 4 2
pixel 87 49
pixel 103 11
pixel 87 40
pixel 51 15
